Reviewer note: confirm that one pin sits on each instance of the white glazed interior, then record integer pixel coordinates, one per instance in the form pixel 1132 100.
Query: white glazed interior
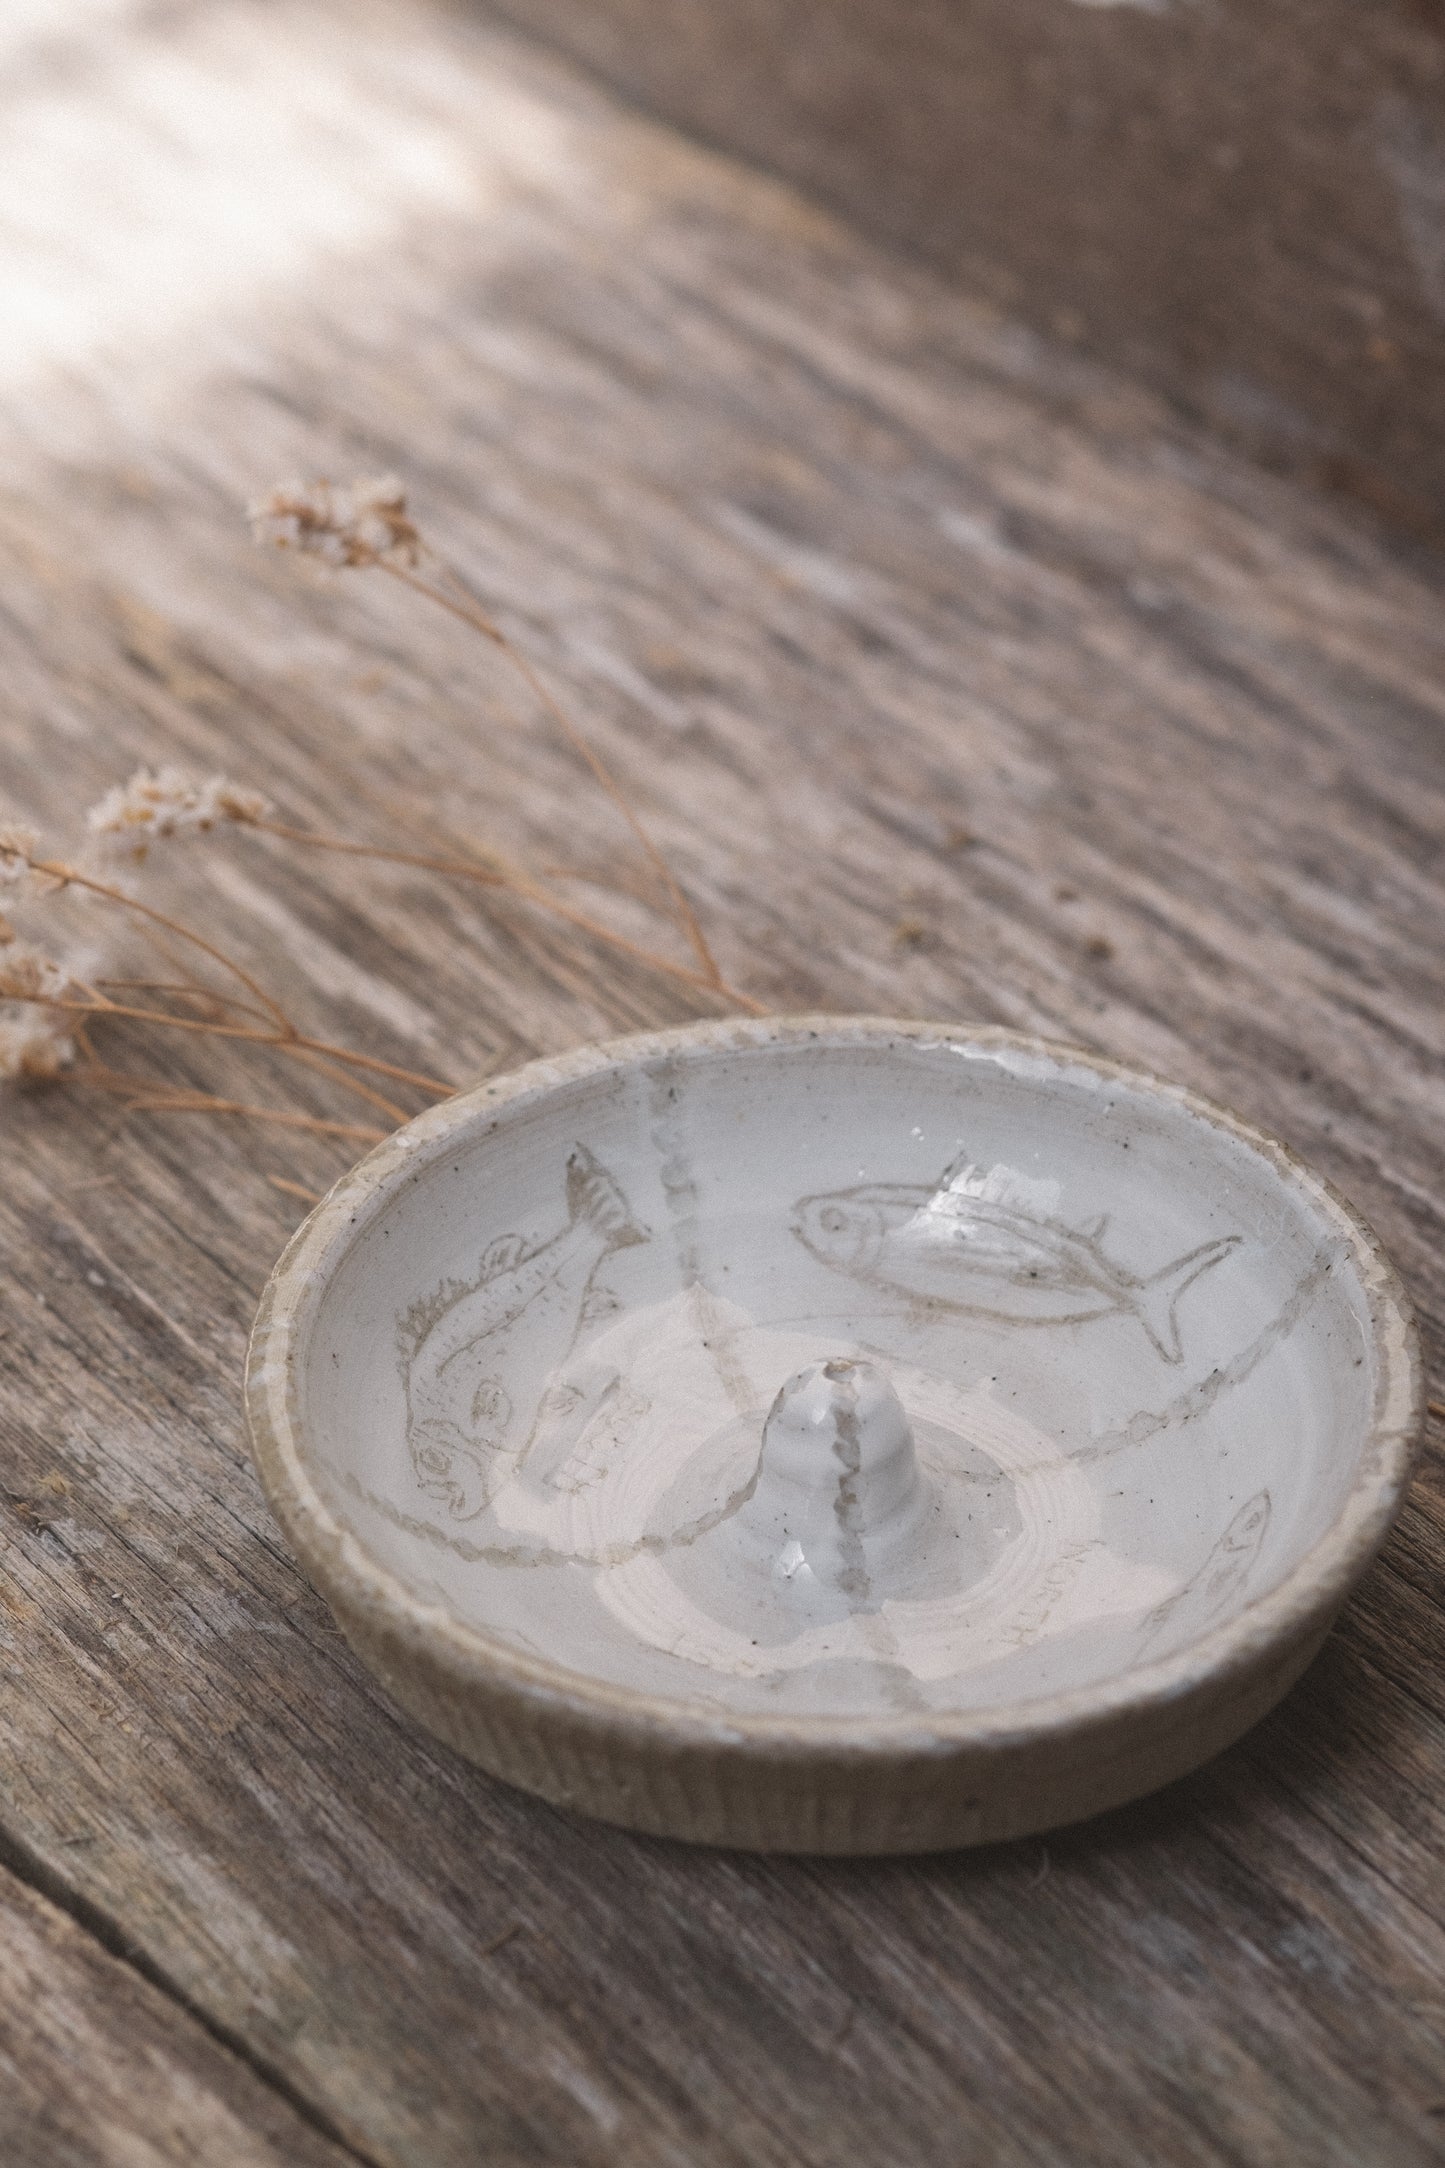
pixel 1109 1498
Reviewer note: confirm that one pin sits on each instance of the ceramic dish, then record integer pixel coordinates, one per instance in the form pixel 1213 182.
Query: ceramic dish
pixel 833 1434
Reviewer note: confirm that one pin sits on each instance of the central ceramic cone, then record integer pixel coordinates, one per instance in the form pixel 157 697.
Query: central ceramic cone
pixel 839 1497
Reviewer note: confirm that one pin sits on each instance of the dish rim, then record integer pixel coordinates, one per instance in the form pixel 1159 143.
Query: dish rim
pixel 347 1574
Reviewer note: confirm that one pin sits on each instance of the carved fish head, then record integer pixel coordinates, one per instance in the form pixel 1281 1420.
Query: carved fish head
pixel 848 1228
pixel 447 1468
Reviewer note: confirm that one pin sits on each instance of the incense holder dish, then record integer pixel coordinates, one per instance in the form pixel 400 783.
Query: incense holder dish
pixel 832 1434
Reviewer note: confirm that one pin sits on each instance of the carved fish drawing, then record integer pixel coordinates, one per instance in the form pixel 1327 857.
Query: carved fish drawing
pixel 1204 1595
pixel 975 1243
pixel 477 1356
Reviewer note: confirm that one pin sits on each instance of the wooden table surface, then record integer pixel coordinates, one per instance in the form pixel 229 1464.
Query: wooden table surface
pixel 958 681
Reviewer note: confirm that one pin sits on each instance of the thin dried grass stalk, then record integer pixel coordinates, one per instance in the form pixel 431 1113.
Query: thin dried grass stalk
pixel 526 890
pixel 152 1095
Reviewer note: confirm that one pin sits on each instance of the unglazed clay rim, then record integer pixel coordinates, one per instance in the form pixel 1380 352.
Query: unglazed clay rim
pixel 345 1572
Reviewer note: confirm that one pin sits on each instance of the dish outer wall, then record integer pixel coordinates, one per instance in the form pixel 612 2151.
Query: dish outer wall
pixel 819 1785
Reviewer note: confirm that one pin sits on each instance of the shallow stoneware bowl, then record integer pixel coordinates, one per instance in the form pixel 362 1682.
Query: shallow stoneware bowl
pixel 831 1434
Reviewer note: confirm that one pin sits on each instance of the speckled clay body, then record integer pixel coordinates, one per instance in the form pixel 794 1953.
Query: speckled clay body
pixel 834 1434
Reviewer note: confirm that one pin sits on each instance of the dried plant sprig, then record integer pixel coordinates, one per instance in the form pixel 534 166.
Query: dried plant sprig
pixel 156 804
pixel 38 1042
pixel 162 802
pixel 19 858
pixel 48 1009
pixel 369 525
pixel 26 975
pixel 363 523
pixel 50 1046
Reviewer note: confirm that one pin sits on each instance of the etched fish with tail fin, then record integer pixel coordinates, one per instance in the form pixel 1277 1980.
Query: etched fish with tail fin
pixel 477 1356
pixel 974 1242
pixel 1221 1577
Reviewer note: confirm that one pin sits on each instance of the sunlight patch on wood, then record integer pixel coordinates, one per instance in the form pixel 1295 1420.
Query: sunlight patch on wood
pixel 157 176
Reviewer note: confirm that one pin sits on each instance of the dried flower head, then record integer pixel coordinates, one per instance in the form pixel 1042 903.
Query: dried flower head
pixel 17 848
pixel 163 802
pixel 26 975
pixel 35 1046
pixel 37 1041
pixel 365 524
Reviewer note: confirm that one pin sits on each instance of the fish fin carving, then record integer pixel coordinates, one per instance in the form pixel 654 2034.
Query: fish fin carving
pixel 1246 1532
pixel 502 1255
pixel 416 1322
pixel 1157 1308
pixel 1225 1570
pixel 598 1303
pixel 593 1195
pixel 1095 1229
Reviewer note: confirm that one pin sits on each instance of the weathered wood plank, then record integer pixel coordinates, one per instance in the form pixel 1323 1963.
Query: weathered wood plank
pixel 1241 204
pixel 99 2070
pixel 957 680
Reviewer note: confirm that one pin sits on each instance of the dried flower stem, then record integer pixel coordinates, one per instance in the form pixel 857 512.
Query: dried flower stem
pixel 456 597
pixel 326 1066
pixel 292 1041
pixel 530 891
pixel 294 1189
pixel 183 990
pixel 144 1095
pixel 285 1036
pixel 207 997
pixel 71 877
